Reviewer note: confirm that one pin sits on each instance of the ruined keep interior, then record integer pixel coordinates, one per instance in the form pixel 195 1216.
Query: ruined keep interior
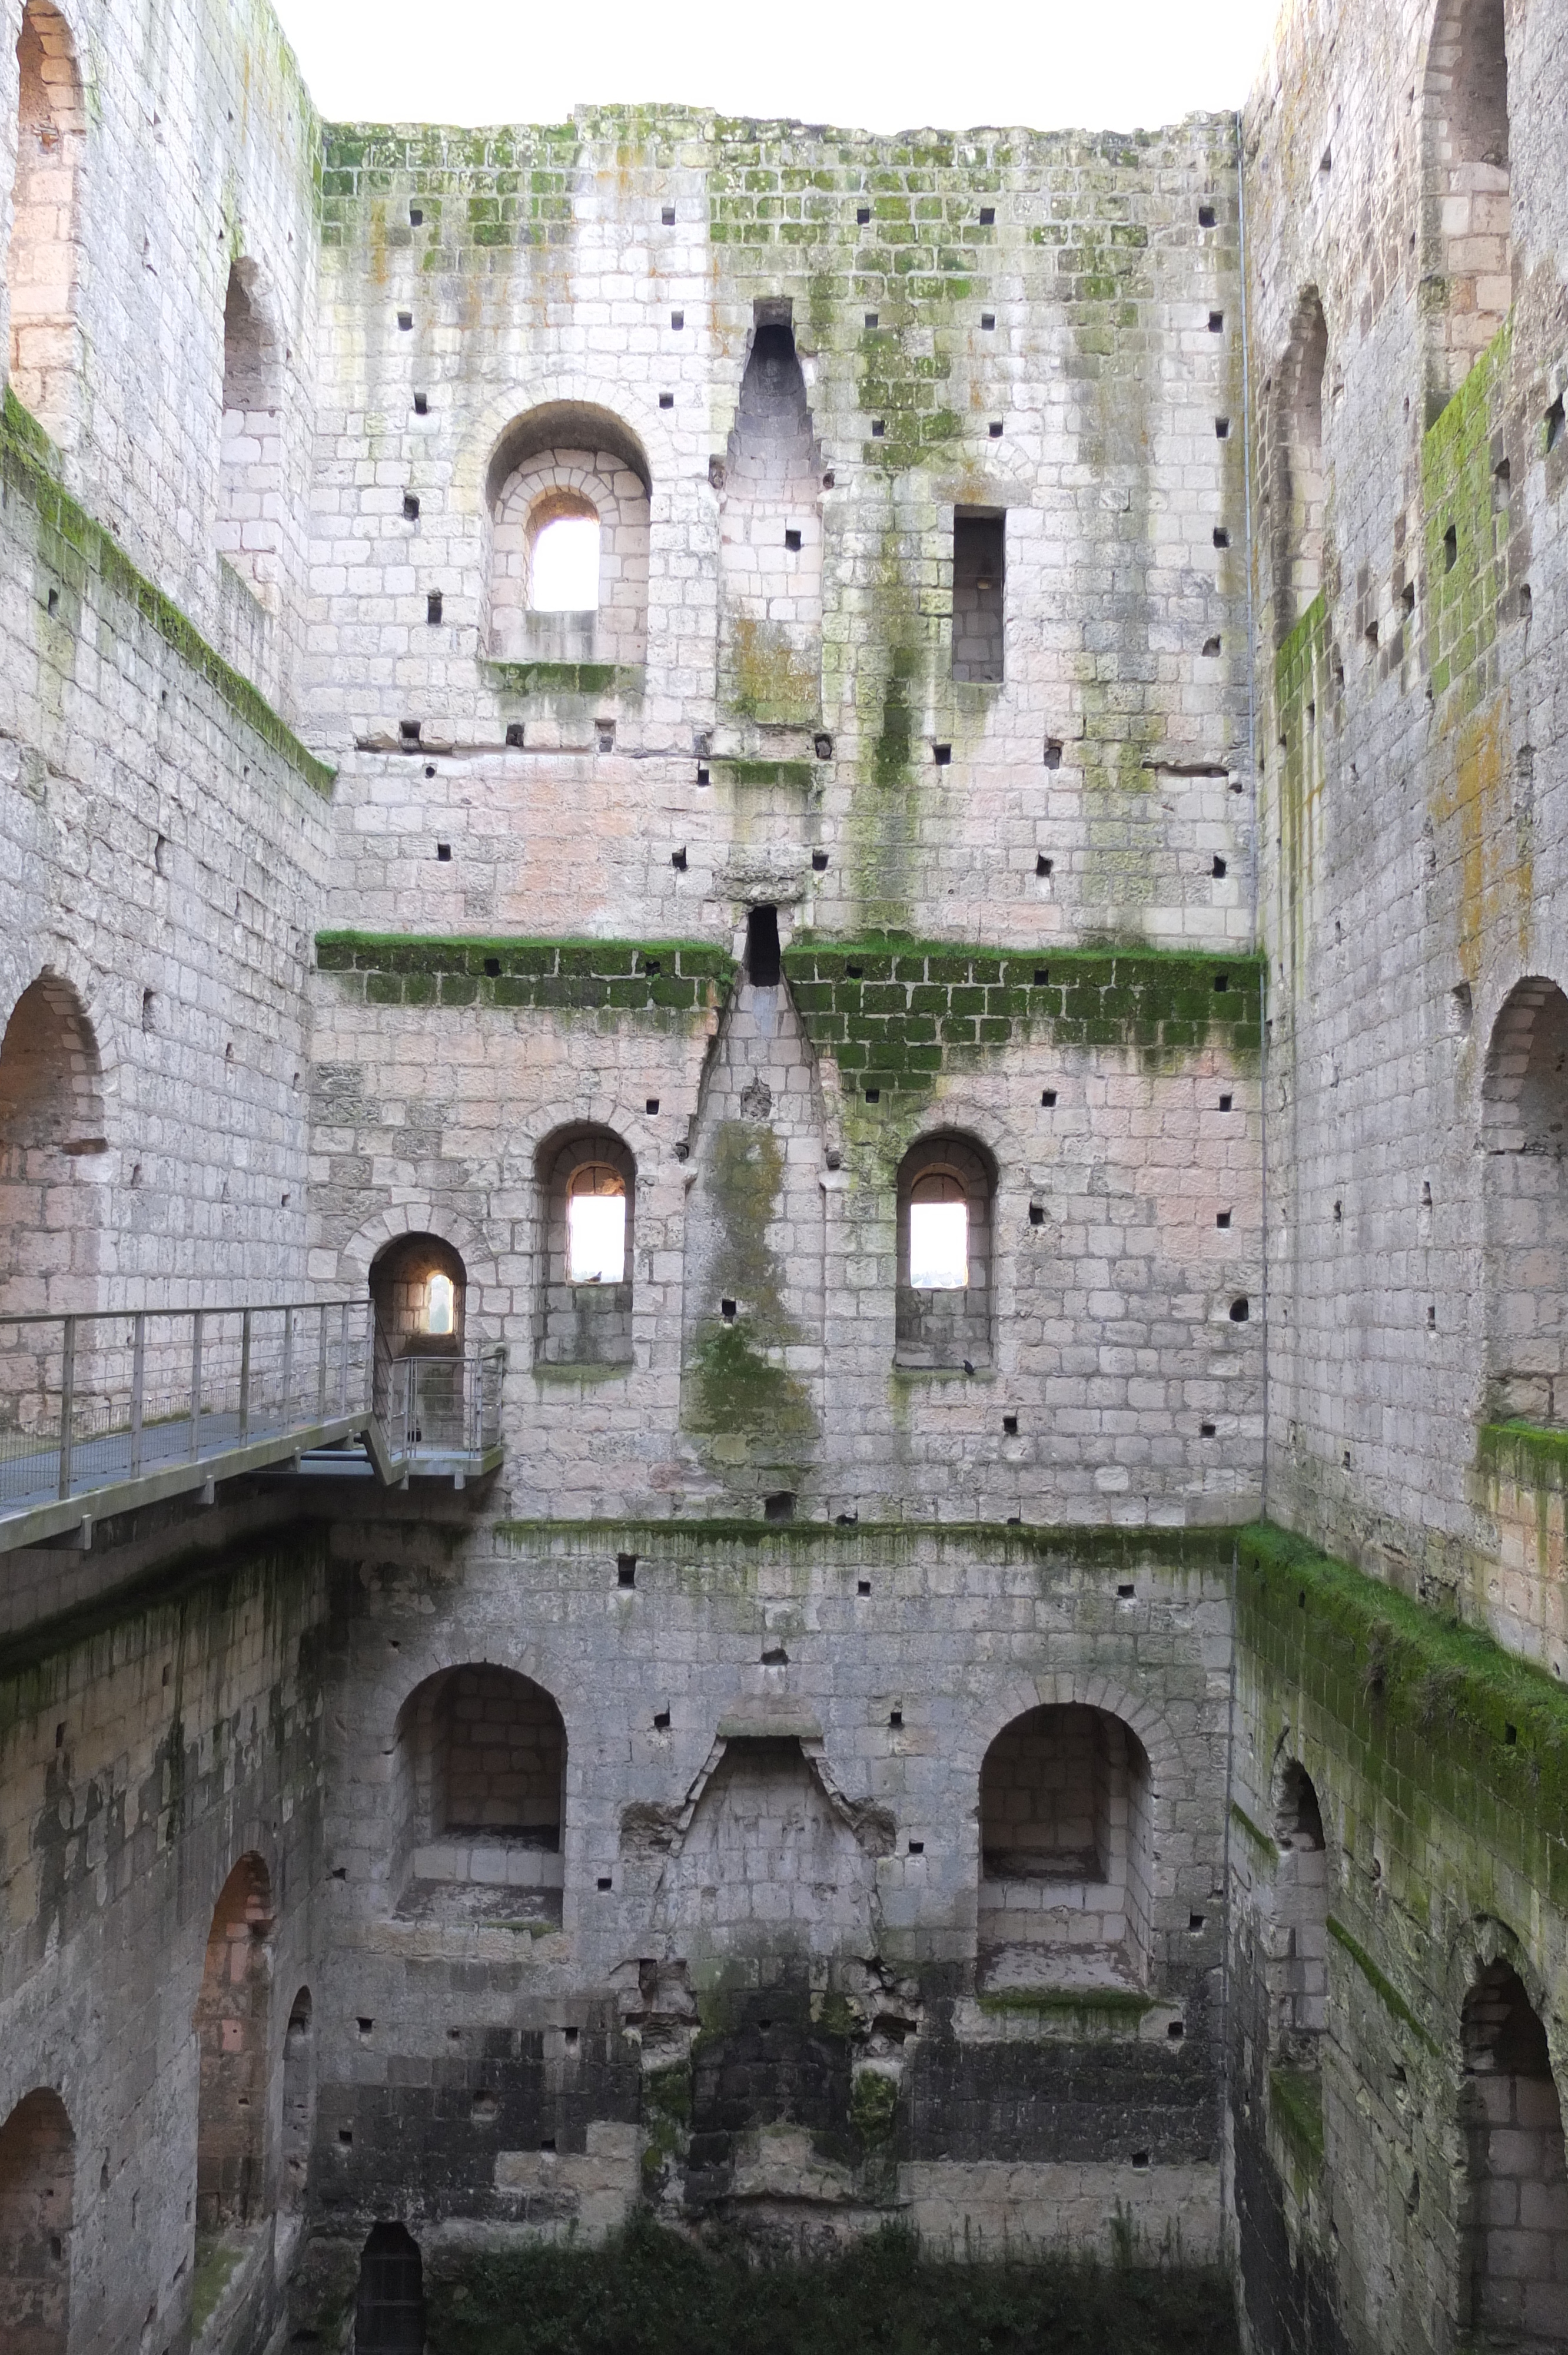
pixel 783 1191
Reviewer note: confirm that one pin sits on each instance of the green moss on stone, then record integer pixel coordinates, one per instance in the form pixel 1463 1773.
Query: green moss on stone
pixel 1295 2107
pixel 1387 1993
pixel 665 978
pixel 78 549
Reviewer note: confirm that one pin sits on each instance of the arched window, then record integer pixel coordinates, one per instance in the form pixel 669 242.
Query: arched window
pixel 568 489
pixel 43 268
pixel 53 1152
pixel 38 2176
pixel 250 474
pixel 1525 1132
pixel 1064 1840
pixel 1298 1964
pixel 1516 2241
pixel 231 2030
pixel 771 536
pixel 1469 227
pixel 481 1783
pixel 389 2304
pixel 944 1308
pixel 417 1287
pixel 1297 488
pixel 299 2098
pixel 587 1187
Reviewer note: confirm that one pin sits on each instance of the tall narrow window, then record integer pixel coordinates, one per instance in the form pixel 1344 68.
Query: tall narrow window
pixel 1469 253
pixel 563 572
pixel 389 2304
pixel 52 1152
pixel 440 1306
pixel 232 2028
pixel 1298 1963
pixel 1524 1133
pixel 250 473
pixel 595 1225
pixel 980 582
pixel 43 268
pixel 764 967
pixel 944 1300
pixel 587 1188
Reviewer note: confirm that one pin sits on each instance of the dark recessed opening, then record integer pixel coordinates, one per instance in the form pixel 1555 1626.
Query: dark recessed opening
pixel 666 401
pixel 1240 1311
pixel 995 429
pixel 1555 423
pixel 1211 646
pixel 819 862
pixel 366 2026
pixel 779 1506
pixel 411 508
pixel 1220 868
pixel 1195 1920
pixel 444 852
pixel 1126 1594
pixel 54 601
pixel 605 1880
pixel 862 1586
pixel 942 754
pixel 1177 2030
pixel 492 967
pixel 1048 1097
pixel 1205 217
pixel 822 746
pixel 1217 323
pixel 704 776
pixel 416 218
pixel 1010 1425
pixel 988 320
pixel 625 1569
pixel 1222 428
pixel 405 319
pixel 896 1719
pixel 572 2034
pixel 678 860
pixel 661 1721
pixel 408 730
pixel 762 965
pixel 877 429
pixel 421 404
pixel 916 1847
pixel 1140 2159
pixel 871 318
pixel 792 540
pixel 514 734
pixel 668 216
pixel 1036 1214
pixel 1206 1431
pixel 1221 981
pixel 1225 1102
pixel 862 215
pixel 1221 1218
pixel 987 215
pixel 651 1105
pixel 874 1096
pixel 1041 975
pixel 1053 752
pixel 677 319
pixel 433 606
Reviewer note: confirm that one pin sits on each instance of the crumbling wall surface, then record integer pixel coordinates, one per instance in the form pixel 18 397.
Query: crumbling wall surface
pixel 198 148
pixel 1043 328
pixel 144 1753
pixel 752 1989
pixel 1413 805
pixel 1362 2212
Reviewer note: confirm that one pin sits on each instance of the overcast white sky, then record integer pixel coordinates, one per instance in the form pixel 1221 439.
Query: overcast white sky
pixel 873 65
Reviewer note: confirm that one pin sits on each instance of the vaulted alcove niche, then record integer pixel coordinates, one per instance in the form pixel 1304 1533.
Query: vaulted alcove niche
pixel 249 533
pixel 568 496
pixel 478 1795
pixel 53 1152
pixel 1467 265
pixel 1514 2245
pixel 1065 1849
pixel 1524 1134
pixel 389 2298
pixel 44 266
pixel 37 2175
pixel 1298 1964
pixel 587 1185
pixel 770 530
pixel 232 2032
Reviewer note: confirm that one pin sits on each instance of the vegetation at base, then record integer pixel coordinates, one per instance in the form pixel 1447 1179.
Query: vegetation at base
pixel 652 2292
pixel 1295 2106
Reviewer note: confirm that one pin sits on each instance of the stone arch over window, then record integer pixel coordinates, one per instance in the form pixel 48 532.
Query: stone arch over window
pixel 1524 1130
pixel 480 1782
pixel 557 471
pixel 587 1188
pixel 44 266
pixel 1515 2241
pixel 1297 488
pixel 1064 1822
pixel 53 1150
pixel 1469 233
pixel 231 2030
pixel 299 2097
pixel 250 471
pixel 947 1184
pixel 1298 1957
pixel 38 2190
pixel 771 535
pixel 389 2302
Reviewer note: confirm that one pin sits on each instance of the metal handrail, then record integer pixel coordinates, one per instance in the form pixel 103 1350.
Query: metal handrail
pixel 98 1397
pixel 444 1402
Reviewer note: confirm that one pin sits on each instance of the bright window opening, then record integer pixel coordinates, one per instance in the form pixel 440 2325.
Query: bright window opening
pixel 939 1233
pixel 440 1304
pixel 596 1226
pixel 565 572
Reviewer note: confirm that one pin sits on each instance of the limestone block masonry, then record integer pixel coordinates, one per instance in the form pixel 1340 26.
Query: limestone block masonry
pixel 858 839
